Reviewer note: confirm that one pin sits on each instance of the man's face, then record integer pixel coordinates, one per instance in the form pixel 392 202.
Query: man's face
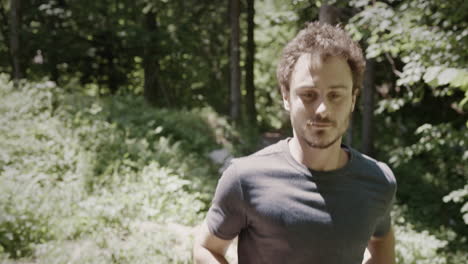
pixel 320 100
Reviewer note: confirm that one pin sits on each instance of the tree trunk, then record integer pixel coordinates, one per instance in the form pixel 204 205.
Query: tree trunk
pixel 4 27
pixel 15 38
pixel 368 108
pixel 249 65
pixel 109 43
pixel 151 89
pixel 112 81
pixel 235 94
pixel 329 14
pixel 110 66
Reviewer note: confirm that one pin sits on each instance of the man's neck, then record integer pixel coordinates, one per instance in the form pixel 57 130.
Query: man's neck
pixel 331 158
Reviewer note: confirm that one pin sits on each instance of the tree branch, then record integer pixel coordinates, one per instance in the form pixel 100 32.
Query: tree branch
pixel 392 63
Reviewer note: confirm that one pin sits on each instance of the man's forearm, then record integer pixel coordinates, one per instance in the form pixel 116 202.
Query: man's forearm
pixel 202 255
pixel 381 250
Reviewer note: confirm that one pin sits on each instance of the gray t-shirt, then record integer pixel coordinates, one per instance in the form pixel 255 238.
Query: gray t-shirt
pixel 285 213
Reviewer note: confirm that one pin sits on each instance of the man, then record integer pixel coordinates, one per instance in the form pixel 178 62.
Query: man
pixel 309 198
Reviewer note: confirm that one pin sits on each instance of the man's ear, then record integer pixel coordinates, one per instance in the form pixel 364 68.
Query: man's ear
pixel 285 99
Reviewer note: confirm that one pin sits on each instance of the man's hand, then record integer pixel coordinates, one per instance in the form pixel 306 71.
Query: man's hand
pixel 381 250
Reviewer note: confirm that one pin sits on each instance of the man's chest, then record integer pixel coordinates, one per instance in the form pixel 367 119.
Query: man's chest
pixel 315 212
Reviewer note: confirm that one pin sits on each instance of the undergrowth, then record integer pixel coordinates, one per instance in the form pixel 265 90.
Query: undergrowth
pixel 80 175
pixel 112 180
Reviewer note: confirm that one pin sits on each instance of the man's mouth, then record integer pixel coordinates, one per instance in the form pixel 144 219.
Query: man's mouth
pixel 319 124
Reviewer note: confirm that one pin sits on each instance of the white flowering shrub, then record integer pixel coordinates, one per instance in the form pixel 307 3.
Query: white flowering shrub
pixel 418 247
pixel 88 180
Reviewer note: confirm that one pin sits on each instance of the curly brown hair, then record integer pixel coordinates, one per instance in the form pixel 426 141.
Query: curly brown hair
pixel 324 40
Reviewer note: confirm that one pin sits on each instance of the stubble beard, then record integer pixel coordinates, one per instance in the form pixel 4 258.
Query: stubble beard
pixel 324 145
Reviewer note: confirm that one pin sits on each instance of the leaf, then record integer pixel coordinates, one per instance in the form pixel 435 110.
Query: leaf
pixel 147 8
pixel 158 130
pixel 431 75
pixel 461 80
pixel 447 75
pixel 423 128
pixel 464 101
pixel 437 76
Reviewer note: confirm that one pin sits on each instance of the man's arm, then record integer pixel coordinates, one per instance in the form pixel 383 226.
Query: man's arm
pixel 208 248
pixel 381 250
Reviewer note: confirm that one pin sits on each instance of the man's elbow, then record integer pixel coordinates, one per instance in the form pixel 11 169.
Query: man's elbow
pixel 202 255
pixel 207 248
pixel 381 250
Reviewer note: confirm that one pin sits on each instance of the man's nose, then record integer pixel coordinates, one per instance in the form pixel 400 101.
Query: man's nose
pixel 322 109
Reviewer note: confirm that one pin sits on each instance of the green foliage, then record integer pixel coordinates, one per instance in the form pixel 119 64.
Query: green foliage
pixel 431 170
pixel 455 78
pixel 423 103
pixel 275 26
pixel 460 196
pixel 415 246
pixel 143 242
pixel 419 33
pixel 81 171
pixel 105 44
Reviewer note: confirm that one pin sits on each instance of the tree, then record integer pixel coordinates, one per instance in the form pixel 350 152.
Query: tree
pixel 151 86
pixel 329 14
pixel 5 36
pixel 15 45
pixel 368 108
pixel 249 65
pixel 235 93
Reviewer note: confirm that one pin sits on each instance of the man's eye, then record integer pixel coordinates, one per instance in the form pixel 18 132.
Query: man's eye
pixel 334 96
pixel 307 95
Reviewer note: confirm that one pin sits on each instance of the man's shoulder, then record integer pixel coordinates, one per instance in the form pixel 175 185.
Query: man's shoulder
pixel 265 153
pixel 373 167
pixel 268 158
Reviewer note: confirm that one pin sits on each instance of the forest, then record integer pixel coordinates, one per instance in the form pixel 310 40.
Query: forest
pixel 111 113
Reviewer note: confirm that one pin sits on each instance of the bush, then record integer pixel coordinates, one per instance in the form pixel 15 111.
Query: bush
pixel 80 171
pixel 415 246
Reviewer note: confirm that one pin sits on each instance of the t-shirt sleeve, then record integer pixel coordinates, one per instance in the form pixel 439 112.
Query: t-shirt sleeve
pixel 383 224
pixel 385 221
pixel 226 216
